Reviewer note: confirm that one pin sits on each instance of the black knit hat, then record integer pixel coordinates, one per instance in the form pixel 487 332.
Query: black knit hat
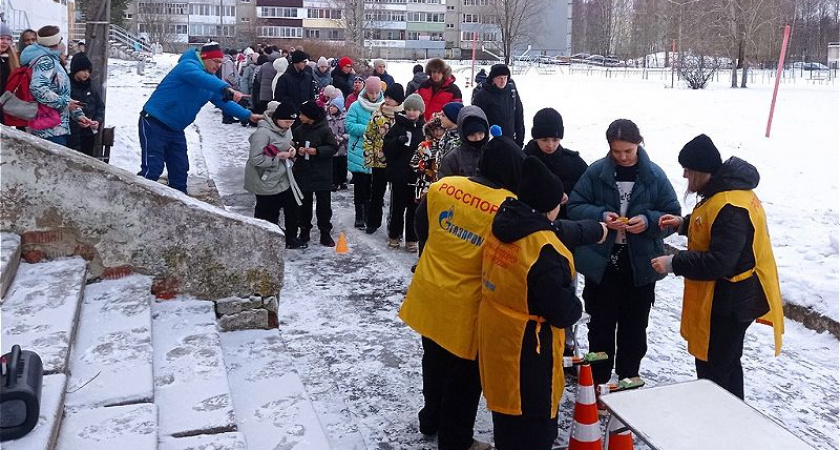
pixel 312 110
pixel 540 189
pixel 498 70
pixel 285 111
pixel 472 125
pixel 79 63
pixel 548 123
pixel 299 56
pixel 701 155
pixel 395 92
pixel 501 161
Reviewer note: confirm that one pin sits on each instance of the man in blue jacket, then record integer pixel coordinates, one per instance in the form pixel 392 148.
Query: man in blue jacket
pixel 174 105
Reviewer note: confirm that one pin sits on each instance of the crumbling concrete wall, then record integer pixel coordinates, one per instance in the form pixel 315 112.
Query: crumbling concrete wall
pixel 63 202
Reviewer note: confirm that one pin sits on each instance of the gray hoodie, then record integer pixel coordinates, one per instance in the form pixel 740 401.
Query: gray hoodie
pixel 264 175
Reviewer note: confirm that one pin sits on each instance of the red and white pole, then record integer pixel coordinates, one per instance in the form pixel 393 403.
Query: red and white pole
pixel 779 70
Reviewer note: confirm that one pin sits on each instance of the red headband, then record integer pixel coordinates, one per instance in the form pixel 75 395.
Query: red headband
pixel 211 54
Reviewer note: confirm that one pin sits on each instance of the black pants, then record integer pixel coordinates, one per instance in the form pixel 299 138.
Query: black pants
pixel 403 209
pixel 323 210
pixel 451 391
pixel 361 188
pixel 268 209
pixel 524 432
pixel 83 143
pixel 339 165
pixel 620 313
pixel 378 185
pixel 726 345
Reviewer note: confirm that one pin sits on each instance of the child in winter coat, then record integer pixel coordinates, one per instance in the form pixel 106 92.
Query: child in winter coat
pixel 474 131
pixel 449 121
pixel 399 146
pixel 336 119
pixel 269 175
pixel 380 122
pixel 82 138
pixel 358 117
pixel 426 159
pixel 313 170
pixel 358 84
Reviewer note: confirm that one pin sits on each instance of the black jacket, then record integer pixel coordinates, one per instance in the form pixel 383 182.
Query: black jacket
pixel 296 87
pixel 563 163
pixel 730 250
pixel 315 174
pixel 94 106
pixel 398 149
pixel 342 81
pixel 503 107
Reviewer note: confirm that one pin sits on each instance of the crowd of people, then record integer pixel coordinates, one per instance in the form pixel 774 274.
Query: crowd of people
pixel 501 226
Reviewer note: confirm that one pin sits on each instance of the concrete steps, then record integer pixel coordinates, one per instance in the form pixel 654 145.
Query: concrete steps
pixel 111 362
pixel 118 427
pixel 191 382
pixel 41 310
pixel 9 260
pixel 280 414
pixel 221 441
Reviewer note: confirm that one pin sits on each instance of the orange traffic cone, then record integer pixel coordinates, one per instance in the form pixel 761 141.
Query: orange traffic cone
pixel 341 245
pixel 586 431
pixel 619 440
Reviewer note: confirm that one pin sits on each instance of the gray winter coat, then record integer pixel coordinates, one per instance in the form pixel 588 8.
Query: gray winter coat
pixel 463 161
pixel 264 175
pixel 267 73
pixel 246 78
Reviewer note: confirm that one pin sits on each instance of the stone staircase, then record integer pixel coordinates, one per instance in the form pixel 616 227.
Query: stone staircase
pixel 126 370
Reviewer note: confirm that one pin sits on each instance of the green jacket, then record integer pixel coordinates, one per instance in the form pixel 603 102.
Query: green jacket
pixel 596 194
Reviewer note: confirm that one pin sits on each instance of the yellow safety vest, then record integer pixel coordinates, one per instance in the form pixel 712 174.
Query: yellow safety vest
pixel 698 295
pixel 504 315
pixel 443 298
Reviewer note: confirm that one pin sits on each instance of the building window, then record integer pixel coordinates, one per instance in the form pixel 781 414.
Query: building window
pixel 280 32
pixel 277 12
pixel 450 25
pixel 323 13
pixel 450 8
pixel 385 16
pixel 245 19
pixel 475 2
pixel 426 17
pixel 486 36
pixel 162 8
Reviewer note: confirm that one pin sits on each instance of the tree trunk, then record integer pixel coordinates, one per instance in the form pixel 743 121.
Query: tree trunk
pixel 744 74
pixel 97 31
pixel 734 76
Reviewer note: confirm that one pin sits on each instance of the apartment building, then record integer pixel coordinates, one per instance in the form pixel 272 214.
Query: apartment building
pixel 393 29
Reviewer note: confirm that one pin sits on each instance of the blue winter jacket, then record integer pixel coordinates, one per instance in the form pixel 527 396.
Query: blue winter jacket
pixel 185 90
pixel 50 86
pixel 356 124
pixel 596 194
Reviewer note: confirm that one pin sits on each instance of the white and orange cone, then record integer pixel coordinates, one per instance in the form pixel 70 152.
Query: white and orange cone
pixel 619 440
pixel 586 431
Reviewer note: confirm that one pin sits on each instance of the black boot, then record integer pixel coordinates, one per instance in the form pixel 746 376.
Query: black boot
pixel 326 239
pixel 360 217
pixel 304 235
pixel 294 243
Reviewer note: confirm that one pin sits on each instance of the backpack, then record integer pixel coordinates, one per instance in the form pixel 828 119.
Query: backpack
pixel 18 84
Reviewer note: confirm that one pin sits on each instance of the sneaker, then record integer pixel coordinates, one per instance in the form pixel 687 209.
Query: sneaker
pixel 371 230
pixel 478 445
pixel 294 244
pixel 394 242
pixel 326 239
pixel 360 223
pixel 411 247
pixel 334 188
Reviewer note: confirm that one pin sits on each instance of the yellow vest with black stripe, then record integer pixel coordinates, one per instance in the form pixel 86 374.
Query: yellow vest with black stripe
pixel 698 296
pixel 443 298
pixel 504 315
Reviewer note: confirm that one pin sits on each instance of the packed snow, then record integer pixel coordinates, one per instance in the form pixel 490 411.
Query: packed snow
pixel 339 313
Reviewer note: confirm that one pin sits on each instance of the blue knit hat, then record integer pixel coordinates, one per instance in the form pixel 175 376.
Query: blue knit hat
pixel 451 110
pixel 338 102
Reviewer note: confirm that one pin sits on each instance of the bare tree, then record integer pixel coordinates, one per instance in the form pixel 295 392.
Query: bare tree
pixel 742 21
pixel 157 18
pixel 517 20
pixel 359 18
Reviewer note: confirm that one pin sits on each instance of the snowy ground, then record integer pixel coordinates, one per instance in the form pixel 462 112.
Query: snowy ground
pixel 339 313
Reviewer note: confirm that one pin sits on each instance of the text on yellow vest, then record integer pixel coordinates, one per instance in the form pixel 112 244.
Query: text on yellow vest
pixel 443 298
pixel 504 316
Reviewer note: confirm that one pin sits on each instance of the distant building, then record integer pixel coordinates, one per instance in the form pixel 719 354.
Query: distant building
pixel 177 24
pixel 33 14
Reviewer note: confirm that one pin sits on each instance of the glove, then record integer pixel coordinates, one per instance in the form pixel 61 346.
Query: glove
pixel 270 150
pixel 402 139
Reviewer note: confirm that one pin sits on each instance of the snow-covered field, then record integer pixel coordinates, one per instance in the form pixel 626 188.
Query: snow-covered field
pixel 340 314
